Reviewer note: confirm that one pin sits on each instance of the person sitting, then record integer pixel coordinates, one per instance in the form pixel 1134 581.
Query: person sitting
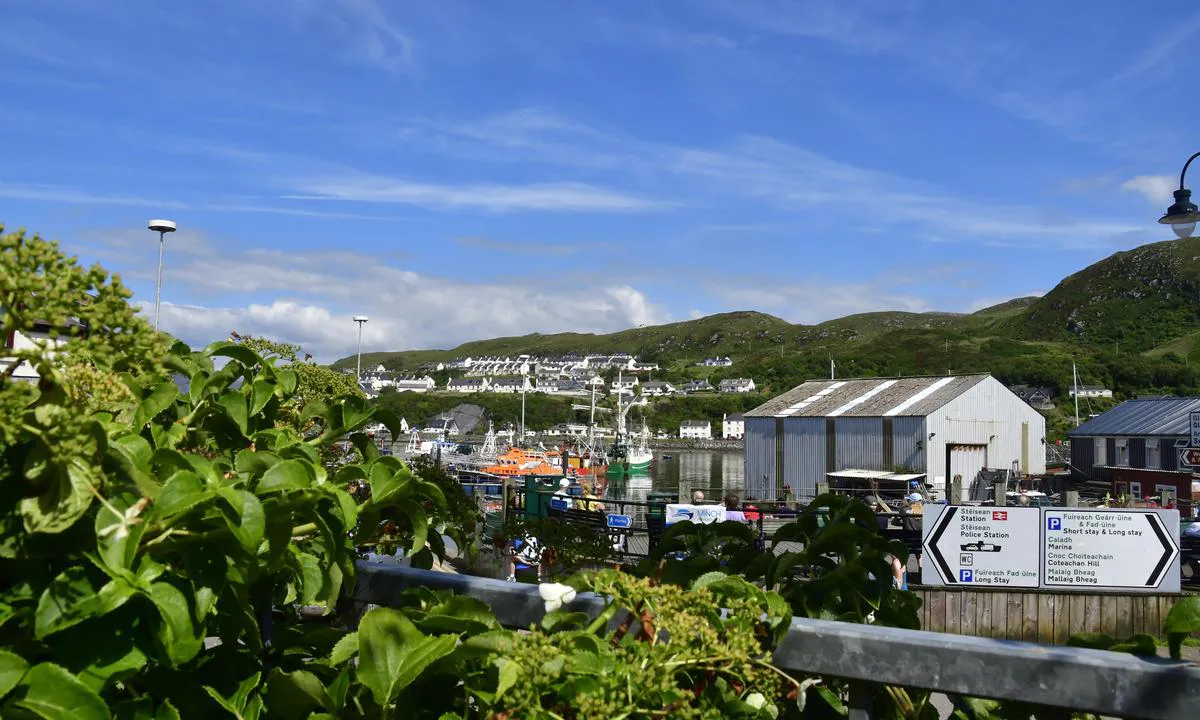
pixel 899 574
pixel 589 501
pixel 524 551
pixel 915 504
pixel 563 491
pixel 732 511
pixel 697 496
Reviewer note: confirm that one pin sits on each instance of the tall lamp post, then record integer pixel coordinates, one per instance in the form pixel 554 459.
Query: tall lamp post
pixel 1182 215
pixel 162 227
pixel 524 380
pixel 361 320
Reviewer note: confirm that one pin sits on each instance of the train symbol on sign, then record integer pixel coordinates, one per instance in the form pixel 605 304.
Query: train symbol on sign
pixel 999 514
pixel 1054 523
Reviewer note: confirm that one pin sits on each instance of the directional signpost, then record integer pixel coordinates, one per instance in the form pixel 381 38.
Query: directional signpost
pixel 1111 549
pixel 620 521
pixel 974 546
pixel 1189 456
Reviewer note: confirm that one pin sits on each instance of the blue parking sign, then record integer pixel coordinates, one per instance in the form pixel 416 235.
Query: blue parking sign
pixel 966 575
pixel 1054 523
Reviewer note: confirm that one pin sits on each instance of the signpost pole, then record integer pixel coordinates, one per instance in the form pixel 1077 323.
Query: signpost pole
pixel 1071 498
pixel 998 492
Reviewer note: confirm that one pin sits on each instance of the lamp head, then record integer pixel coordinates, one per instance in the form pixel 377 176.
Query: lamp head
pixel 360 318
pixel 1182 215
pixel 161 226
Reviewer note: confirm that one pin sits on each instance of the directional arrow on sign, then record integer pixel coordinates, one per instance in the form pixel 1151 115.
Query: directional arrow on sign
pixel 931 546
pixel 1169 549
pixel 1189 456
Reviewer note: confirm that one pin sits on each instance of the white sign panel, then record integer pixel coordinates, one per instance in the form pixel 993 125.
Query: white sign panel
pixel 1125 549
pixel 704 514
pixel 1194 417
pixel 982 546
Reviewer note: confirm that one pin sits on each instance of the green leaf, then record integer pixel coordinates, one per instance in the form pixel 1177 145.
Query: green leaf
pixel 707 579
pixel 510 673
pixel 287 381
pixel 183 491
pixel 134 455
pixel 234 403
pixel 158 400
pixel 238 703
pixel 70 599
pixel 261 393
pixel 287 475
pixel 420 527
pixel 356 411
pixel 118 539
pixel 103 650
pixel 177 635
pixel 232 350
pixel 166 711
pixel 345 649
pixel 393 652
pixel 12 669
pixel 296 694
pixel 1182 620
pixel 387 484
pixel 54 694
pixel 64 501
pixel 244 515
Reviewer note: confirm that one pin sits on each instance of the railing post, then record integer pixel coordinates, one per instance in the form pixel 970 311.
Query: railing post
pixel 1071 498
pixel 998 493
pixel 956 490
pixel 862 701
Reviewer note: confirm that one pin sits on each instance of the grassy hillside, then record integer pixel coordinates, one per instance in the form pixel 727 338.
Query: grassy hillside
pixel 1130 322
pixel 1138 299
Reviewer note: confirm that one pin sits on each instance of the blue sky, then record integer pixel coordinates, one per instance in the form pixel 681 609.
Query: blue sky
pixel 458 170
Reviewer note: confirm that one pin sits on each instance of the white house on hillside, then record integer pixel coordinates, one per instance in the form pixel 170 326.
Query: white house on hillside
pixel 412 383
pixel 733 426
pixel 511 385
pixel 696 429
pixel 657 388
pixel 14 340
pixel 736 385
pixel 468 385
pixel 697 386
pixel 624 384
pixel 715 362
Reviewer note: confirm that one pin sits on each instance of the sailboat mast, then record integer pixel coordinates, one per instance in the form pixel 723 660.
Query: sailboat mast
pixel 1075 380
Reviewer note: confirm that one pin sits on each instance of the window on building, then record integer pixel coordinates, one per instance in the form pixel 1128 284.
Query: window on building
pixel 1153 458
pixel 1101 453
pixel 1122 458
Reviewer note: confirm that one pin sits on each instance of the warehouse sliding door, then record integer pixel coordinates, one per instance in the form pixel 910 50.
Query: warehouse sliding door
pixel 965 460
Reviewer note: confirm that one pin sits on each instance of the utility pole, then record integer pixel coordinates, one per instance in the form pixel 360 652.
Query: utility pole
pixel 1075 382
pixel 831 367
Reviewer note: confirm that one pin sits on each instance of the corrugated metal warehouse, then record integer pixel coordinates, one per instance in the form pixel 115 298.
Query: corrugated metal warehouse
pixel 912 425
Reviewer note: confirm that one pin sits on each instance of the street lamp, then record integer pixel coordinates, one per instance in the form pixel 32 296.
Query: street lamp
pixel 162 227
pixel 1182 215
pixel 524 379
pixel 361 320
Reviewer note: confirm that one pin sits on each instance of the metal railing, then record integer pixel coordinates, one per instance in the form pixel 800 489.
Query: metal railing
pixel 1107 683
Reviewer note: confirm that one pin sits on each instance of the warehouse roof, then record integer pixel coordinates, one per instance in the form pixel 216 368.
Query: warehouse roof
pixel 1144 416
pixel 868 397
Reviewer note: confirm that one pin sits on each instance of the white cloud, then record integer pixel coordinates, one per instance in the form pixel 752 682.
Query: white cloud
pixel 60 194
pixel 309 299
pixel 565 197
pixel 1156 189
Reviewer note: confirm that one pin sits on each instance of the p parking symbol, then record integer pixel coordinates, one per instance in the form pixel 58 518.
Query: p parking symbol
pixel 1054 523
pixel 966 576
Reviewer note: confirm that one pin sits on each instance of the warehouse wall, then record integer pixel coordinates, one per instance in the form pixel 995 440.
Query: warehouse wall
pixel 908 443
pixel 760 457
pixel 992 415
pixel 804 454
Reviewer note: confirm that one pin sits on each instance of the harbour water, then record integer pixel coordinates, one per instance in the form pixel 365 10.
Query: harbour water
pixel 714 471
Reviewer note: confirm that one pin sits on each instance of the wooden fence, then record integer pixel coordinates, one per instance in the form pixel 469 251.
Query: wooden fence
pixel 1040 616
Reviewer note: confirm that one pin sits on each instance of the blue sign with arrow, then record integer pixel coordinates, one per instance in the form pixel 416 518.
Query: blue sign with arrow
pixel 620 521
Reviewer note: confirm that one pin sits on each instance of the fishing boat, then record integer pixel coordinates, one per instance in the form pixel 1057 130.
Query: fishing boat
pixel 519 462
pixel 629 454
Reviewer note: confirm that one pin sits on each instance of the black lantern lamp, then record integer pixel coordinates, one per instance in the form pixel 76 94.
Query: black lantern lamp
pixel 1183 214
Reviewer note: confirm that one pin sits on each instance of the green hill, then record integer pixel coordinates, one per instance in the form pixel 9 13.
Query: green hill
pixel 1133 300
pixel 1130 322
